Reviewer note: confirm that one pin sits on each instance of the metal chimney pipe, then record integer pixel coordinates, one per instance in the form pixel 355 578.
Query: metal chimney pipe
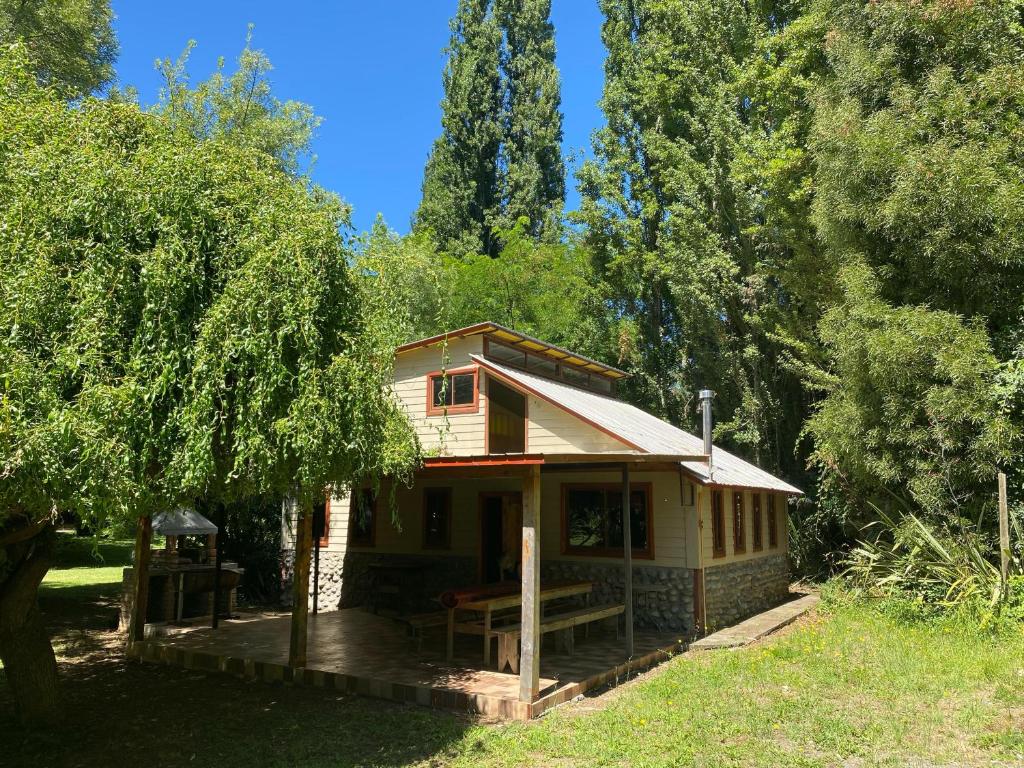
pixel 706 396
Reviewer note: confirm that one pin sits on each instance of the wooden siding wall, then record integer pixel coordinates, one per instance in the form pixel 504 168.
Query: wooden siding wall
pixel 464 433
pixel 669 516
pixel 552 430
pixel 337 525
pixel 781 522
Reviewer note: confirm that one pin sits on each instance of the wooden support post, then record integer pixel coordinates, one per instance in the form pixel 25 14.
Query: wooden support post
pixel 627 558
pixel 217 540
pixel 300 586
pixel 1004 533
pixel 140 572
pixel 529 661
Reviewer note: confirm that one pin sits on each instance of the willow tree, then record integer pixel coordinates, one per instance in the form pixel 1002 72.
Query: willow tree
pixel 70 43
pixel 177 324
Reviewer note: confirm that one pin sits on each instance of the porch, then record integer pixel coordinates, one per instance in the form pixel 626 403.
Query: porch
pixel 355 651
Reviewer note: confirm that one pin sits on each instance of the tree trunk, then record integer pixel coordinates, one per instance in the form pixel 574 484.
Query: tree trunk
pixel 29 662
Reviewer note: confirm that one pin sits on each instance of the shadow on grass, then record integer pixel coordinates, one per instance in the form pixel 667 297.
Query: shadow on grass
pixel 127 713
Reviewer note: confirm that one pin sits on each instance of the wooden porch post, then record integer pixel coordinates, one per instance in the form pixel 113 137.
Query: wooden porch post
pixel 529 659
pixel 627 559
pixel 300 585
pixel 140 573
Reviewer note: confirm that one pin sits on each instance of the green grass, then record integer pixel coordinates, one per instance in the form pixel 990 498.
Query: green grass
pixel 849 686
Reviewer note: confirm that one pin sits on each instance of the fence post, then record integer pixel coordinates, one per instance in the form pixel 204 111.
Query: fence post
pixel 1004 533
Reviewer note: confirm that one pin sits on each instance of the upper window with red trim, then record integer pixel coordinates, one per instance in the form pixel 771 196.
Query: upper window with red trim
pixel 452 392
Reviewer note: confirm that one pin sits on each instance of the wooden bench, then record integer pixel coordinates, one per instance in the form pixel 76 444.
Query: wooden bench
pixel 420 621
pixel 563 623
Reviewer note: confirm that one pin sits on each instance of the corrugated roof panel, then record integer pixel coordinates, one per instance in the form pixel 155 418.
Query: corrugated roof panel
pixel 644 431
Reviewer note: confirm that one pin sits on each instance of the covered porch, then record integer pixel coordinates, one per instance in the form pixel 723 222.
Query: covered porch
pixel 356 651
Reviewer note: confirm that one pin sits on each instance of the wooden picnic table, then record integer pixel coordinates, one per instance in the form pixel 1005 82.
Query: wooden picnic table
pixel 497 599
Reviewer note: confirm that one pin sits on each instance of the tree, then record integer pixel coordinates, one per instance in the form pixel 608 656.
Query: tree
pixel 70 43
pixel 545 289
pixel 533 182
pixel 918 187
pixel 498 158
pixel 239 108
pixel 460 191
pixel 179 325
pixel 670 220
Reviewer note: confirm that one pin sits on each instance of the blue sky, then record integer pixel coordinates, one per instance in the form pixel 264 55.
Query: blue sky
pixel 371 69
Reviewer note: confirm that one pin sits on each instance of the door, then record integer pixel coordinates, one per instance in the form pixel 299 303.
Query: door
pixel 501 523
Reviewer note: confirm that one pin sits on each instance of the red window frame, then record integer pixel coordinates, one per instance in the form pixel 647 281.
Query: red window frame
pixel 756 524
pixel 718 523
pixel 641 554
pixel 438 410
pixel 371 541
pixel 739 528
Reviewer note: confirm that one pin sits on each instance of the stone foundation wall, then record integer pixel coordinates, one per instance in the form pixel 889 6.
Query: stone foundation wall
pixel 736 591
pixel 328 584
pixel 668 609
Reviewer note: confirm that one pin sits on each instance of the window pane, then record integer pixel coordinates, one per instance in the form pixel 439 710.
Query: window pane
pixel 577 378
pixel 542 365
pixel 441 395
pixel 600 384
pixel 462 389
pixel 435 518
pixel 506 354
pixel 586 518
pixel 362 519
pixel 637 519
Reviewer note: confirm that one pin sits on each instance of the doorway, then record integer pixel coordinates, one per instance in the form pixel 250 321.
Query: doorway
pixel 501 523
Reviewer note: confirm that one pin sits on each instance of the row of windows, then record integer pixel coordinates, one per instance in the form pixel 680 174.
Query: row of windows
pixel 543 365
pixel 591 519
pixel 739 527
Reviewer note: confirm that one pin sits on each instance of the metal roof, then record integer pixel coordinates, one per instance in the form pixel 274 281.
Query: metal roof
pixel 520 341
pixel 641 431
pixel 182 522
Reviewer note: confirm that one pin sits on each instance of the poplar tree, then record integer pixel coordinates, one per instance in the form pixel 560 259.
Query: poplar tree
pixel 498 159
pixel 460 191
pixel 533 186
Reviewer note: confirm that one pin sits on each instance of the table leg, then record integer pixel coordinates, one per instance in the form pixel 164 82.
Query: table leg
pixel 450 649
pixel 487 636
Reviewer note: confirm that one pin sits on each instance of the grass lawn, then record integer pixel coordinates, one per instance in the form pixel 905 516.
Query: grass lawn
pixel 847 686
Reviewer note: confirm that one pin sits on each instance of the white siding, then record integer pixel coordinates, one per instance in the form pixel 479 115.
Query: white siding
pixel 552 430
pixel 459 434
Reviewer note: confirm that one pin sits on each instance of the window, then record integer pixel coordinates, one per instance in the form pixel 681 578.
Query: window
pixel 592 520
pixel 322 521
pixel 452 392
pixel 542 365
pixel 718 524
pixel 755 521
pixel 363 518
pixel 504 354
pixel 739 542
pixel 773 531
pixel 437 518
pixel 574 377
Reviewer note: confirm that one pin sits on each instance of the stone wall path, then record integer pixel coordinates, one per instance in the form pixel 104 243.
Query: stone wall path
pixel 757 626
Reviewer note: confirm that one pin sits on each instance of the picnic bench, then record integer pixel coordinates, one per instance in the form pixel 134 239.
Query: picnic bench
pixel 561 623
pixel 495 602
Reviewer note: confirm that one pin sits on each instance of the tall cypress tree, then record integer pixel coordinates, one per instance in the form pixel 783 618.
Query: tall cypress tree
pixel 459 184
pixel 499 154
pixel 534 174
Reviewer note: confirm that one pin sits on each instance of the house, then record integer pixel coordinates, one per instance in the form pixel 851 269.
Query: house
pixel 529 451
